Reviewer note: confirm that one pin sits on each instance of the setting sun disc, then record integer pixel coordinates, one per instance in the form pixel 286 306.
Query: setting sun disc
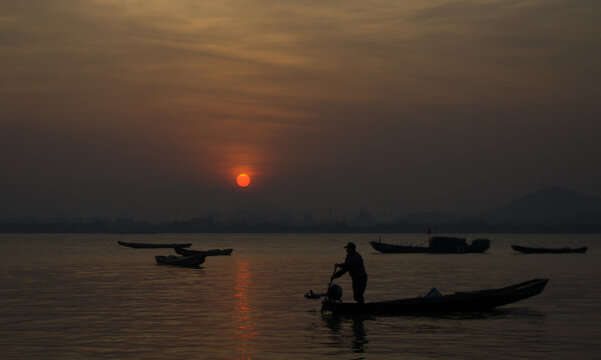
pixel 243 180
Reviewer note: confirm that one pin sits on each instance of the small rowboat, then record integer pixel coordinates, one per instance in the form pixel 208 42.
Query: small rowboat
pixel 185 261
pixel 153 246
pixel 437 245
pixel 212 252
pixel 458 302
pixel 563 250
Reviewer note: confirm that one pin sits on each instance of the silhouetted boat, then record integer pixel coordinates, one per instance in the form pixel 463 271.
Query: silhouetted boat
pixel 437 244
pixel 458 302
pixel 212 252
pixel 185 261
pixel 153 246
pixel 564 250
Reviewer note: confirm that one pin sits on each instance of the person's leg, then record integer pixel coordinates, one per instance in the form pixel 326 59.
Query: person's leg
pixel 359 285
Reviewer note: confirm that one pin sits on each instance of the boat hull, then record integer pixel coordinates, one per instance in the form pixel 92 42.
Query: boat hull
pixel 153 246
pixel 565 250
pixel 405 249
pixel 212 252
pixel 457 302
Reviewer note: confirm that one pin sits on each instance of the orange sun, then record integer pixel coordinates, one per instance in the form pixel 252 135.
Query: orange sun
pixel 243 180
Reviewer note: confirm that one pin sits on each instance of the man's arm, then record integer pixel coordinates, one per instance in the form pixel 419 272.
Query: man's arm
pixel 339 273
pixel 343 269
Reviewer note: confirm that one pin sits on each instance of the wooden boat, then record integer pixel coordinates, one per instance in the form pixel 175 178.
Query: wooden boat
pixel 437 244
pixel 212 252
pixel 185 261
pixel 564 250
pixel 458 302
pixel 153 246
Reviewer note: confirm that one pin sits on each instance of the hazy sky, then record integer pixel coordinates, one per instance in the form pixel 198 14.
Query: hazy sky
pixel 152 107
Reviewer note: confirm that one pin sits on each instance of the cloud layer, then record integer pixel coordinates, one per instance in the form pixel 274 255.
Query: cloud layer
pixel 451 105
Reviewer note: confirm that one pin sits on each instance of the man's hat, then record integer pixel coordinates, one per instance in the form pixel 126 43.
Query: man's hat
pixel 350 245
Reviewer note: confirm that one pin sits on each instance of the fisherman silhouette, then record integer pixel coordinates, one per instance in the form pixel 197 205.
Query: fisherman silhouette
pixel 353 264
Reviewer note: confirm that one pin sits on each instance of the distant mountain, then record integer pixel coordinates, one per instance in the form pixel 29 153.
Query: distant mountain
pixel 553 206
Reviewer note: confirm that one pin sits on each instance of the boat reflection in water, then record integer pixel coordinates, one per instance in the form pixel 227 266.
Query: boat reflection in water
pixel 336 323
pixel 245 325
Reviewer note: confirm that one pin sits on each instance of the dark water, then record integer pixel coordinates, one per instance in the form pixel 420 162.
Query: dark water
pixel 82 296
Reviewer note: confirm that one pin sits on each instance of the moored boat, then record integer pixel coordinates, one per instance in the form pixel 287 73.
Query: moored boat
pixel 153 246
pixel 541 250
pixel 437 244
pixel 212 252
pixel 458 302
pixel 185 261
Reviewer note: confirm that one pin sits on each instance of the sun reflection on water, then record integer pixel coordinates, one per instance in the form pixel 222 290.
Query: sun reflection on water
pixel 245 329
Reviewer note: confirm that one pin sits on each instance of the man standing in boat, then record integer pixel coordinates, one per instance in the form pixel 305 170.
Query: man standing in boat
pixel 356 269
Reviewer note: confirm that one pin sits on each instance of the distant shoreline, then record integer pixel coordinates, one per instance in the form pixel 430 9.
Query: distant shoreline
pixel 139 227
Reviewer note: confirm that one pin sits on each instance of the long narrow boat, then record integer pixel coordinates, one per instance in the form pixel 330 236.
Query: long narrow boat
pixel 563 250
pixel 212 252
pixel 457 302
pixel 153 246
pixel 185 261
pixel 437 245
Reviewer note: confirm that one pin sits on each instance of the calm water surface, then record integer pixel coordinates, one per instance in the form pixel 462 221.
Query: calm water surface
pixel 83 296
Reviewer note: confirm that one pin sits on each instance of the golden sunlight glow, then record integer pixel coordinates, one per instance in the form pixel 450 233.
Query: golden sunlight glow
pixel 243 180
pixel 245 324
